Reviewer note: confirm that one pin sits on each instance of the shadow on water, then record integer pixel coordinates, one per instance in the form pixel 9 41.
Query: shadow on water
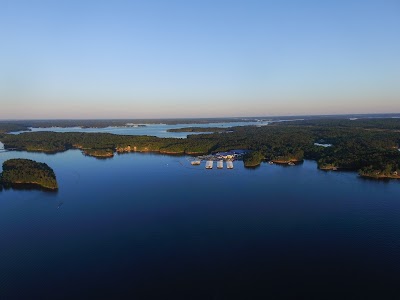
pixel 377 180
pixel 286 165
pixel 283 165
pixel 28 187
pixel 252 168
pixel 49 153
pixel 340 170
pixel 155 153
pixel 99 157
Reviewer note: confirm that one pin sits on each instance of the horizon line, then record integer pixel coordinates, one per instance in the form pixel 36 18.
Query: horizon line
pixel 208 118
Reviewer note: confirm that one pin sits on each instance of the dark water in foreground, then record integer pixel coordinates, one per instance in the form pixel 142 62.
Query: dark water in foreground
pixel 144 226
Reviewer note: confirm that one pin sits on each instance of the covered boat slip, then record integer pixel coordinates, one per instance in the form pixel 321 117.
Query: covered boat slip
pixel 220 164
pixel 209 164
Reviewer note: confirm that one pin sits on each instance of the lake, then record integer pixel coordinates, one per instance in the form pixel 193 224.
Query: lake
pixel 149 226
pixel 159 130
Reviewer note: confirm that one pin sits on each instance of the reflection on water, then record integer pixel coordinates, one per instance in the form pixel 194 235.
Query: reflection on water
pixel 28 187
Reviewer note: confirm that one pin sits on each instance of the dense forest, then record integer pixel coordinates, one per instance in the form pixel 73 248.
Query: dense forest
pixel 366 123
pixel 10 127
pixel 367 145
pixel 25 171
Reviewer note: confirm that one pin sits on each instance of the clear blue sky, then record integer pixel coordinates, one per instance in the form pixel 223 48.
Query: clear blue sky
pixel 137 59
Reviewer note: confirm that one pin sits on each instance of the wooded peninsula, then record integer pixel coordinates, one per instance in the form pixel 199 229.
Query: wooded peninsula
pixel 368 145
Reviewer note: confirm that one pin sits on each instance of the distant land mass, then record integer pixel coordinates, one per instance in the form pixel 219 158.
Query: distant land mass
pixel 368 145
pixel 24 125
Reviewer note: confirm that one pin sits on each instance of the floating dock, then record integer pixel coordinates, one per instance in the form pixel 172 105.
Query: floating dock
pixel 229 164
pixel 209 164
pixel 220 164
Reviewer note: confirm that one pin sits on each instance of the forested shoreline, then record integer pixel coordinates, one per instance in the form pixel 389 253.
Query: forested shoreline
pixel 369 146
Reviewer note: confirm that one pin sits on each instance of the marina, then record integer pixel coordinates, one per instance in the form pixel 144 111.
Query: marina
pixel 230 155
pixel 210 164
pixel 219 157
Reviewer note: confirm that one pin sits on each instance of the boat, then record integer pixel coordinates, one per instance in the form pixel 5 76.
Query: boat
pixel 195 162
pixel 271 162
pixel 291 164
pixel 220 164
pixel 209 164
pixel 229 164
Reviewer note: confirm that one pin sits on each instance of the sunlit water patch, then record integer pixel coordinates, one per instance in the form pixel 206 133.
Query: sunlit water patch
pixel 323 145
pixel 159 130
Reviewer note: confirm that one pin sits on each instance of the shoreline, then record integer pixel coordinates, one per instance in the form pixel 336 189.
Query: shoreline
pixel 27 185
pixel 379 177
pixel 121 151
pixel 286 162
pixel 125 150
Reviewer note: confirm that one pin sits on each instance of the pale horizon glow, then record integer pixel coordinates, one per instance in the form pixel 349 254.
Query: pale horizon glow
pixel 184 59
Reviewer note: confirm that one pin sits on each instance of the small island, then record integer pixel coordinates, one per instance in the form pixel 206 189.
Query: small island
pixel 20 172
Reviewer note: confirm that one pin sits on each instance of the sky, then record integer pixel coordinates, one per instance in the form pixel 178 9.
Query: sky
pixel 187 58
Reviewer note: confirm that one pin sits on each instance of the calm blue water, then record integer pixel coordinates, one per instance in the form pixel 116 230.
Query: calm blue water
pixel 147 226
pixel 159 130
